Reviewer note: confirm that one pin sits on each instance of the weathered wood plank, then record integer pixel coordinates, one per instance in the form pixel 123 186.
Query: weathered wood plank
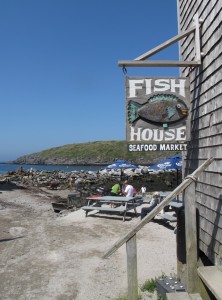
pixel 210 241
pixel 209 224
pixel 168 217
pixel 214 151
pixel 206 10
pixel 213 216
pixel 212 277
pixel 183 296
pixel 118 209
pixel 156 63
pixel 178 296
pixel 207 118
pixel 210 104
pixel 211 14
pixel 216 129
pixel 213 177
pixel 131 251
pixel 209 63
pixel 208 94
pixel 195 297
pixel 213 191
pixel 208 142
pixel 212 256
pixel 191 239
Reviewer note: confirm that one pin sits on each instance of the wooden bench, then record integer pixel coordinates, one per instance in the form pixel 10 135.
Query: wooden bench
pixel 183 296
pixel 120 209
pixel 176 204
pixel 212 278
pixel 168 217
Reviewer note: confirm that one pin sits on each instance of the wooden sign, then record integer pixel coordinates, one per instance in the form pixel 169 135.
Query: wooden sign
pixel 157 113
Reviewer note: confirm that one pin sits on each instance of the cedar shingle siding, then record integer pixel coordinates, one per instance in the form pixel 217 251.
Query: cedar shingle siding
pixel 206 118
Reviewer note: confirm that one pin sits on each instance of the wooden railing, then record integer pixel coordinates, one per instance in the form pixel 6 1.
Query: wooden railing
pixel 130 238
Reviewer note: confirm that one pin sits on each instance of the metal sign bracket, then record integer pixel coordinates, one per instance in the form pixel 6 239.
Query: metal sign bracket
pixel 142 62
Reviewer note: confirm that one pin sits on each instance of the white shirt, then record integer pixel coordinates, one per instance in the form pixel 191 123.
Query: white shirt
pixel 129 191
pixel 143 189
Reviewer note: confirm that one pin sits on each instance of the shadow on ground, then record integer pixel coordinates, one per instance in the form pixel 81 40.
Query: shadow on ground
pixel 10 186
pixel 10 239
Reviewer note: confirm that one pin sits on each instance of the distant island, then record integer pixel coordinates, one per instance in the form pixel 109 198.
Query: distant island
pixel 92 153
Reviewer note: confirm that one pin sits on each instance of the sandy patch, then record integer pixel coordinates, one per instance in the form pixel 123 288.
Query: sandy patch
pixel 45 255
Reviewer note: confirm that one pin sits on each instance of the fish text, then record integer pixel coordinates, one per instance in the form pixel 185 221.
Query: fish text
pixel 149 86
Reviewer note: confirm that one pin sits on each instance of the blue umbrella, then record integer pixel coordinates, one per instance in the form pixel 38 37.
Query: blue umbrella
pixel 121 164
pixel 173 162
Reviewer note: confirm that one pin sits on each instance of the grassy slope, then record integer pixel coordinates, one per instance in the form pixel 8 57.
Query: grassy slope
pixel 107 150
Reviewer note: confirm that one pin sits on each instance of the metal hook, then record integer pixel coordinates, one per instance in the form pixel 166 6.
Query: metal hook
pixel 124 70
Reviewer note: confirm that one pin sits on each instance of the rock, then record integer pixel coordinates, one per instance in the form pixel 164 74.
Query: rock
pixel 88 181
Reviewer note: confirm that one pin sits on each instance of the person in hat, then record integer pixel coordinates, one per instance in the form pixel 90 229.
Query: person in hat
pixel 153 203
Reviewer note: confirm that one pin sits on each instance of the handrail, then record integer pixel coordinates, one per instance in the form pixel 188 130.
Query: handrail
pixel 186 182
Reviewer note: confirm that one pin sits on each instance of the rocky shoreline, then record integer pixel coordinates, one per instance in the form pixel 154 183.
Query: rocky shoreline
pixel 88 182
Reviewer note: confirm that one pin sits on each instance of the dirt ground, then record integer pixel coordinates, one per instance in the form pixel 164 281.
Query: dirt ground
pixel 46 255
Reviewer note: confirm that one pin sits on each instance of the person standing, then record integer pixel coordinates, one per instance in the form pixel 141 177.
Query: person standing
pixel 143 191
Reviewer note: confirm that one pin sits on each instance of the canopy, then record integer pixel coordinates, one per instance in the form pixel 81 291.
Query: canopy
pixel 173 162
pixel 121 164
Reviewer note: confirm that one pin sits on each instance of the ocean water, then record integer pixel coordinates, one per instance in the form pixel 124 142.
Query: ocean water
pixel 4 168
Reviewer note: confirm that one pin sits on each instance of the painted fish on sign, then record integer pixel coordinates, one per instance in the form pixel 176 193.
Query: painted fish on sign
pixel 159 108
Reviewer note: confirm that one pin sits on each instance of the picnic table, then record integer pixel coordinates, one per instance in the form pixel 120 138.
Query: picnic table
pixel 104 203
pixel 174 204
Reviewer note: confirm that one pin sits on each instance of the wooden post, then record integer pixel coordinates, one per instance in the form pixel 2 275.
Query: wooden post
pixel 191 239
pixel 132 268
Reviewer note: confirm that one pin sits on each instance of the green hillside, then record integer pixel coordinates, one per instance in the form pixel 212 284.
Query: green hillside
pixel 93 152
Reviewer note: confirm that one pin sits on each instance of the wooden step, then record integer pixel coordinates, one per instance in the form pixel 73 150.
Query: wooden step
pixel 212 278
pixel 183 296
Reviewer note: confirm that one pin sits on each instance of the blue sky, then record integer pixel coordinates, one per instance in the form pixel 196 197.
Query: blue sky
pixel 59 79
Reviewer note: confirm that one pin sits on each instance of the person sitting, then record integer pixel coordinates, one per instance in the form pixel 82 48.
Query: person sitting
pixel 129 190
pixel 116 190
pixel 134 192
pixel 153 203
